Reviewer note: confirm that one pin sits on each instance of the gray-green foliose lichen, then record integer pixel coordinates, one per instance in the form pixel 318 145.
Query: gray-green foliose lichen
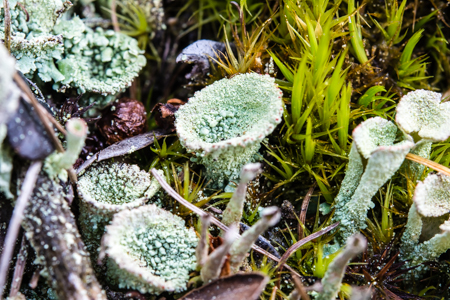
pixel 32 41
pixel 225 122
pixel 99 61
pixel 150 249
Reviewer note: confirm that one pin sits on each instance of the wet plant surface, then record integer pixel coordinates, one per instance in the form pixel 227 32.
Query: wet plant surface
pixel 283 148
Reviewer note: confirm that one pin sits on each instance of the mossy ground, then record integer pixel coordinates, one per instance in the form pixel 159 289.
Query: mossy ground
pixel 338 63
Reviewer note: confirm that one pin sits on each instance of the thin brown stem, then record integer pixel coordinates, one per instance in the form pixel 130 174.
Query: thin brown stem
pixel 303 241
pixel 428 163
pixel 44 116
pixel 19 268
pixel 299 288
pixel 114 19
pixel 16 220
pixel 7 30
pixel 302 216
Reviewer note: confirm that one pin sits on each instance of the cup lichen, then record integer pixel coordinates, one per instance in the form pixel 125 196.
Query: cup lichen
pixel 421 116
pixel 224 123
pixel 150 250
pixel 427 233
pixel 106 189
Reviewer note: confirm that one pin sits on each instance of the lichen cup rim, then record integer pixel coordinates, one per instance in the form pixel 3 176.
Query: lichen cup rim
pixel 155 284
pixel 107 207
pixel 193 141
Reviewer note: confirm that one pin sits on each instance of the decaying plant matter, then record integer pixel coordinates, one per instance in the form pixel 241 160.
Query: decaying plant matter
pixel 218 149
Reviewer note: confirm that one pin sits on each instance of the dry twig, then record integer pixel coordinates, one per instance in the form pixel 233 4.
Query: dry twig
pixel 19 268
pixel 14 225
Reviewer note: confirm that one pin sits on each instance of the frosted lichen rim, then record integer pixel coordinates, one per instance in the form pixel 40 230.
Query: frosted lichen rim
pixel 108 207
pixel 118 253
pixel 421 112
pixel 256 133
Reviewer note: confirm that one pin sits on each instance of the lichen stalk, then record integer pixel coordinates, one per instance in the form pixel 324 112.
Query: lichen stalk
pixel 202 248
pixel 270 217
pixel 213 265
pixel 374 142
pixel 233 211
pixel 428 212
pixel 332 280
pixel 57 163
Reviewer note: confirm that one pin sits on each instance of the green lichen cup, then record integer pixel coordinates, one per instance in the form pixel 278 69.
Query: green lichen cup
pixel 224 123
pixel 106 189
pixel 149 250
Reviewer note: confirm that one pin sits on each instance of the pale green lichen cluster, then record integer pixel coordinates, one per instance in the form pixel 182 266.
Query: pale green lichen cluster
pixel 99 61
pixel 69 53
pixel 225 122
pixel 150 250
pixel 374 142
pixel 32 42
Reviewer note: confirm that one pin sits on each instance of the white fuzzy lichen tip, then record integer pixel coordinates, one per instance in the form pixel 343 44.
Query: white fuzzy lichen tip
pixel 421 113
pixel 150 250
pixel 225 122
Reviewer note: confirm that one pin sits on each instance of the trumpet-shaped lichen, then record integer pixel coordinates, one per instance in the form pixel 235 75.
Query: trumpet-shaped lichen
pixel 429 212
pixel 225 122
pixel 372 141
pixel 150 250
pixel 421 114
